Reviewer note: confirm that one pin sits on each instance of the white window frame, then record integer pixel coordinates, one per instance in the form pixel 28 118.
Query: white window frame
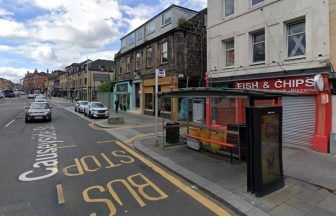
pixel 226 50
pixel 139 34
pixel 253 43
pixel 167 19
pixel 161 56
pixel 131 36
pixel 123 44
pixel 151 65
pixel 150 28
pixel 137 60
pixel 233 10
pixel 287 37
pixel 128 64
pixel 262 1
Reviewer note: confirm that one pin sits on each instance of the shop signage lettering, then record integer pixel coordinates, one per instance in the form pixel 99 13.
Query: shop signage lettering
pixel 122 87
pixel 292 84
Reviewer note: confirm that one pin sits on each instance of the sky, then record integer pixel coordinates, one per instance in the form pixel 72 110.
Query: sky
pixel 51 34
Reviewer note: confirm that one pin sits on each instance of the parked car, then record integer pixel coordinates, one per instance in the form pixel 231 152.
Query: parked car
pixel 8 93
pixel 30 96
pixel 80 106
pixel 96 110
pixel 1 95
pixel 38 111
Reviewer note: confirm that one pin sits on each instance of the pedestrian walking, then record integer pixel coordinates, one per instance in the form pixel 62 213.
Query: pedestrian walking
pixel 116 103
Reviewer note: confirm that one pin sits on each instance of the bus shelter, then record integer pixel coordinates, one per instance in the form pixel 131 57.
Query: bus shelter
pixel 260 138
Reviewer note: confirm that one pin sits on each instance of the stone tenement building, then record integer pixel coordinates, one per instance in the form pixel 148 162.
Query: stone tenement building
pixel 81 80
pixel 5 84
pixel 174 40
pixel 35 81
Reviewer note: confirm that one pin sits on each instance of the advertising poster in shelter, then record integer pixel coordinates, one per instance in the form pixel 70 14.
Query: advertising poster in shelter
pixel 270 145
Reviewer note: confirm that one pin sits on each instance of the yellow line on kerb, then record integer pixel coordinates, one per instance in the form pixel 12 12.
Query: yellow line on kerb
pixel 194 194
pixel 60 195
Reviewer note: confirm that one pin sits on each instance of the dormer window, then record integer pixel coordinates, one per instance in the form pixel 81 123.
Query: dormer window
pixel 131 39
pixel 166 17
pixel 150 28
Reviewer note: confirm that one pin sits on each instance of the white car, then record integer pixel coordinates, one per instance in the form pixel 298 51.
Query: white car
pixel 41 98
pixel 96 110
pixel 30 96
pixel 80 106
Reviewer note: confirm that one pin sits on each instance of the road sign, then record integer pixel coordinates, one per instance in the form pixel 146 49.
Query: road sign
pixel 161 73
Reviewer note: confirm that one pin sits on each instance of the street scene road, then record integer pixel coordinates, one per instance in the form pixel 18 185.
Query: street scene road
pixel 64 167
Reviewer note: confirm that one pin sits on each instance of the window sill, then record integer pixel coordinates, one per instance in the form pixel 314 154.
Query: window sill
pixel 295 58
pixel 150 33
pixel 166 24
pixel 229 67
pixel 163 63
pixel 257 63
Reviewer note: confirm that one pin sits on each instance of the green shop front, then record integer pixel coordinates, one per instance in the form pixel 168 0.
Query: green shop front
pixel 123 92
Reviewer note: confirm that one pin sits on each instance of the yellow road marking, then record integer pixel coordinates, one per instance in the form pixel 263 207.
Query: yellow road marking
pixel 194 194
pixel 139 136
pixel 60 195
pixel 106 141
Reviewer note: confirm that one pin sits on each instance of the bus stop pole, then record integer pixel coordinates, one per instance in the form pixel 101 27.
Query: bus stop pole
pixel 156 107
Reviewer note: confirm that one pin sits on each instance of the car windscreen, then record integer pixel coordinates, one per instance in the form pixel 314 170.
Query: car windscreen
pixel 83 103
pixel 39 106
pixel 97 105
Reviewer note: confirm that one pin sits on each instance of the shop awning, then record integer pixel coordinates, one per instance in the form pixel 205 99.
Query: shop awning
pixel 203 92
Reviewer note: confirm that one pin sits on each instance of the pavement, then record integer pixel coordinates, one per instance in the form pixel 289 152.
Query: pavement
pixel 310 177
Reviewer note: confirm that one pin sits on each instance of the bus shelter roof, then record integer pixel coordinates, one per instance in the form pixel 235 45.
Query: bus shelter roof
pixel 205 92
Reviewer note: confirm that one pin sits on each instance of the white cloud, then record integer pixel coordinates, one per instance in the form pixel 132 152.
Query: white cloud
pixel 13 74
pixel 12 29
pixel 4 12
pixel 68 31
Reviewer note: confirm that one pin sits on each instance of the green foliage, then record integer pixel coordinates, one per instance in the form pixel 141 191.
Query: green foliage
pixel 106 87
pixel 184 23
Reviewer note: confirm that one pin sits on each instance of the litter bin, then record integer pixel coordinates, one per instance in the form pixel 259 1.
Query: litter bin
pixel 172 132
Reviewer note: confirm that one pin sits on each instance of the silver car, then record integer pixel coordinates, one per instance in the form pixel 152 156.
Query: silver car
pixel 38 111
pixel 80 106
pixel 96 110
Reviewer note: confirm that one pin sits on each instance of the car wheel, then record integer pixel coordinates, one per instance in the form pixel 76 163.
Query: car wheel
pixel 26 120
pixel 90 116
pixel 75 109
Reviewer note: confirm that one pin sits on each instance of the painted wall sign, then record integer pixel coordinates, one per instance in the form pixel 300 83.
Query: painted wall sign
pixel 292 84
pixel 122 87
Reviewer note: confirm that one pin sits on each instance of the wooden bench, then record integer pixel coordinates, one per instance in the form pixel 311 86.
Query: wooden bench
pixel 230 145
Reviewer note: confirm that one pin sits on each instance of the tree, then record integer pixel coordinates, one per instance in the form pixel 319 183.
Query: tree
pixel 106 86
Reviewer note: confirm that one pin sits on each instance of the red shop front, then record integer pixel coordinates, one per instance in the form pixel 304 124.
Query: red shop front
pixel 306 118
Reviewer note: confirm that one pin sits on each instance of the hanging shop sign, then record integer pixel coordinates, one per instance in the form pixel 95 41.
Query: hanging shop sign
pixel 292 84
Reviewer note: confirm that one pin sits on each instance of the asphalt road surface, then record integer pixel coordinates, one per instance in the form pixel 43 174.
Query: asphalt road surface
pixel 67 168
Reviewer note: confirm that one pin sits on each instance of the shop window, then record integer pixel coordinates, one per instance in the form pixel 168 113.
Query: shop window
pixel 149 101
pixel 229 53
pixel 229 7
pixel 164 52
pixel 137 95
pixel 258 40
pixel 296 39
pixel 167 104
pixel 149 57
